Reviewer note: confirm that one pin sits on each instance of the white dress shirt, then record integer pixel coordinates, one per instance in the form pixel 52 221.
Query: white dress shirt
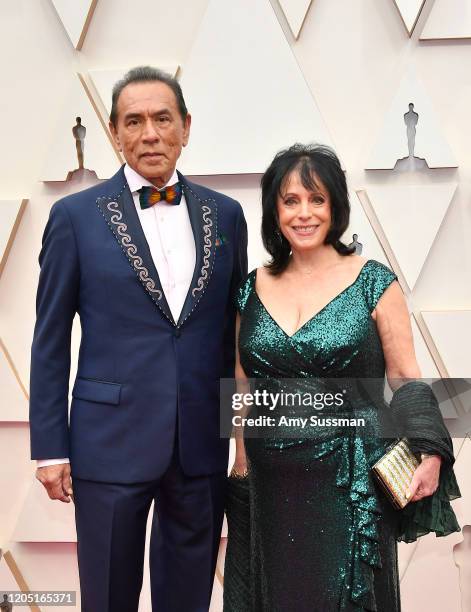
pixel 168 232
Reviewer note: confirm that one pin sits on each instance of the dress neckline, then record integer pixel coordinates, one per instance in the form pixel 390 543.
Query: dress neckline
pixel 315 315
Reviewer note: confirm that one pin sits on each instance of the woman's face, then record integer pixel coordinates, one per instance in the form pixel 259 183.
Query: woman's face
pixel 304 216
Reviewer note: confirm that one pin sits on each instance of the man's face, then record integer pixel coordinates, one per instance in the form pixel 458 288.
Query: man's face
pixel 149 130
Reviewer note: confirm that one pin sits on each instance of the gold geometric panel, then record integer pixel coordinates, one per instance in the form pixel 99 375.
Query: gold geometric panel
pixel 7 580
pixel 431 580
pixel 407 219
pixel 11 578
pixel 75 17
pixel 454 392
pixel 462 554
pixel 411 134
pixel 409 11
pixel 219 576
pixel 428 367
pixel 295 12
pixel 432 554
pixel 359 224
pixel 462 505
pixel 14 398
pixel 451 334
pixel 79 140
pixel 405 552
pixel 448 19
pixel 43 519
pixel 11 212
pixel 15 475
pixel 272 104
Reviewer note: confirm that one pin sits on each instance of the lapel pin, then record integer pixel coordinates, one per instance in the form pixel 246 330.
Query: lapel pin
pixel 220 240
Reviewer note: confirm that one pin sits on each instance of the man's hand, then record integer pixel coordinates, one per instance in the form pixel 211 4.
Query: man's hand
pixel 56 480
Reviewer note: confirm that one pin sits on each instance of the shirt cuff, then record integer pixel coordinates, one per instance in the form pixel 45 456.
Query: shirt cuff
pixel 44 462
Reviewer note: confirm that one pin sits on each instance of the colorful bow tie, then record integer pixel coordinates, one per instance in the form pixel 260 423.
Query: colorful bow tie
pixel 148 196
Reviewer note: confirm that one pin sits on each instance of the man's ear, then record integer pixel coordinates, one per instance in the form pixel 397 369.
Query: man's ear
pixel 114 134
pixel 186 129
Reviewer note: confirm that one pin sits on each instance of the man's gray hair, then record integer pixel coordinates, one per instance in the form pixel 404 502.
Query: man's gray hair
pixel 143 74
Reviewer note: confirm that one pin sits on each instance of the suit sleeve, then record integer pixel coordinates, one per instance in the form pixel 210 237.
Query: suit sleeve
pixel 56 305
pixel 239 272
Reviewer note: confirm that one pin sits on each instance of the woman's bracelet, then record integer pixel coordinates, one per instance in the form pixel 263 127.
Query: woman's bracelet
pixel 235 474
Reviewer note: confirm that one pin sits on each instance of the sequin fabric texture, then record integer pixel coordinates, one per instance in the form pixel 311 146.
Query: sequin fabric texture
pixel 322 536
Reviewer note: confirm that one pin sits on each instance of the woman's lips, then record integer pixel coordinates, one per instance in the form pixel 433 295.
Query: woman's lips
pixel 304 230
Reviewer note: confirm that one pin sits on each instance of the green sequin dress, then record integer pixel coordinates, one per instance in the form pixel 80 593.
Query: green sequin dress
pixel 309 530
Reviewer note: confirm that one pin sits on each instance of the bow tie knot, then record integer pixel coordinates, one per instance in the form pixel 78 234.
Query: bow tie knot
pixel 148 196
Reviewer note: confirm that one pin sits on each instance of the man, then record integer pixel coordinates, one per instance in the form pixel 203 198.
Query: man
pixel 152 276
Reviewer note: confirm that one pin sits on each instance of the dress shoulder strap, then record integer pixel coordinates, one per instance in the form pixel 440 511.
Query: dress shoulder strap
pixel 244 290
pixel 376 279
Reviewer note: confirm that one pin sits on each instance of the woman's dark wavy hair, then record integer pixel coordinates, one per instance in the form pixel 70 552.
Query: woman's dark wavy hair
pixel 310 161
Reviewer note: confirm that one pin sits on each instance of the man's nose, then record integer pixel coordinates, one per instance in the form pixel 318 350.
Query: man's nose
pixel 150 131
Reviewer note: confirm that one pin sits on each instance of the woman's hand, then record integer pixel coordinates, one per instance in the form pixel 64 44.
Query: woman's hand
pixel 239 469
pixel 425 479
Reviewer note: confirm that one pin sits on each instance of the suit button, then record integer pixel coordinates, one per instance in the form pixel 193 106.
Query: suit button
pixel 177 333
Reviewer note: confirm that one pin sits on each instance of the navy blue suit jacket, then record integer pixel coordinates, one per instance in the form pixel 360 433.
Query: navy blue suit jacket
pixel 138 368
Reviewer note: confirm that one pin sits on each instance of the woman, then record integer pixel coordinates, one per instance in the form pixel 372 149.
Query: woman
pixel 321 534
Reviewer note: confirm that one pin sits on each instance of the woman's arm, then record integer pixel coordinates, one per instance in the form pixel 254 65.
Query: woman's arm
pixel 394 328
pixel 240 464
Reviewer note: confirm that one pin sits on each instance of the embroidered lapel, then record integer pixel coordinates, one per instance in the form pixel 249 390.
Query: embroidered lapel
pixel 203 219
pixel 122 219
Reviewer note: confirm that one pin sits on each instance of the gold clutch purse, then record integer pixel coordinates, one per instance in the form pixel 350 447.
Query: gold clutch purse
pixel 394 472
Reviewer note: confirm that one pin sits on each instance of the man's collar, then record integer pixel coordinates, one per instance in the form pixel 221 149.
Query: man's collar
pixel 136 181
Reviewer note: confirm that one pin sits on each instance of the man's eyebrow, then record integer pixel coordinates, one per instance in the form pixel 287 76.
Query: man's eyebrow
pixel 132 115
pixel 163 111
pixel 136 115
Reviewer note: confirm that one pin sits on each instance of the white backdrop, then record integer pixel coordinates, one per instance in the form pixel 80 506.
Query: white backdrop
pixel 253 88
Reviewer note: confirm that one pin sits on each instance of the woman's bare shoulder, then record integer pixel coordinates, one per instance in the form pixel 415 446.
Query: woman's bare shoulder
pixel 264 278
pixel 356 261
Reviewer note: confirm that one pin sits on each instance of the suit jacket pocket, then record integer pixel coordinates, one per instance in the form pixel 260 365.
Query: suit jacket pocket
pixel 97 391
